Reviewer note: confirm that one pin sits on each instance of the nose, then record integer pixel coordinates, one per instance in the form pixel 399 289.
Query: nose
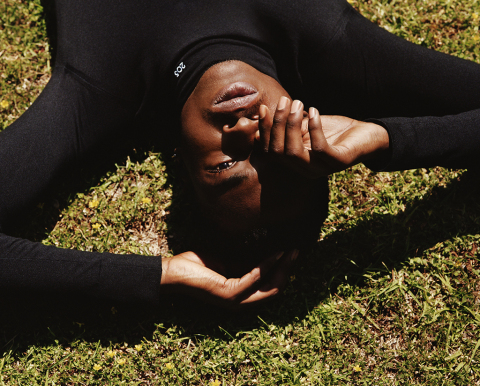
pixel 238 141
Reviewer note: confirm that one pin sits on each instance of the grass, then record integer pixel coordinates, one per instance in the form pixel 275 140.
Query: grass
pixel 389 296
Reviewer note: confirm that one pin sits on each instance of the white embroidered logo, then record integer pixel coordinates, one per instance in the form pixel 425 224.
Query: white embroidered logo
pixel 179 69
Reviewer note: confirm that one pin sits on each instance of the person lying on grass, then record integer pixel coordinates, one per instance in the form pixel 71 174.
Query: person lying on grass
pixel 217 79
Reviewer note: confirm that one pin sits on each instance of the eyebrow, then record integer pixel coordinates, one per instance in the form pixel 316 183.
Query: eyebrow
pixel 225 184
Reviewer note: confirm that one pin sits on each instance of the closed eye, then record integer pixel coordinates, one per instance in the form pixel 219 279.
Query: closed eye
pixel 222 167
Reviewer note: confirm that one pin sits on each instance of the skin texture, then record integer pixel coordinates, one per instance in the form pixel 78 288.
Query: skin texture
pixel 278 149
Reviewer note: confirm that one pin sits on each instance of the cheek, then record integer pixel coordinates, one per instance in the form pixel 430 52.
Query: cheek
pixel 196 133
pixel 200 151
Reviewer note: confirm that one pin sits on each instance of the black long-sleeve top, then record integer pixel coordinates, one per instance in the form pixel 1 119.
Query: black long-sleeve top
pixel 126 65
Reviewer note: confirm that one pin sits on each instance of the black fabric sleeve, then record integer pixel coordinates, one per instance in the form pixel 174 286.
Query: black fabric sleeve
pixel 29 268
pixel 428 101
pixel 433 113
pixel 72 119
pixel 451 141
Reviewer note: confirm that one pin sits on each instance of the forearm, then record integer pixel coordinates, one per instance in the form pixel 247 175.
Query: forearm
pixel 29 268
pixel 449 141
pixel 70 122
pixel 416 94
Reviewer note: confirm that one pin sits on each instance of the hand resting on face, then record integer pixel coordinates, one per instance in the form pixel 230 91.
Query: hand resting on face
pixel 315 145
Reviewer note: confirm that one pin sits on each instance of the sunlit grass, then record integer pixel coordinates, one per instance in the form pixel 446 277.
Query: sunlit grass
pixel 390 295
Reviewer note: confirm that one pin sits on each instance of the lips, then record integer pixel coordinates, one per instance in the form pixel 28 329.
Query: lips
pixel 235 96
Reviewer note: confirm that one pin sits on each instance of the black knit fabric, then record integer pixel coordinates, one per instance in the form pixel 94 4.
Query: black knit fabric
pixel 114 78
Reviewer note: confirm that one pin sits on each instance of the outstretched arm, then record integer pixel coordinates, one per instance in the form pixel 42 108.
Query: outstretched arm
pixel 317 145
pixel 426 100
pixel 28 268
pixel 72 121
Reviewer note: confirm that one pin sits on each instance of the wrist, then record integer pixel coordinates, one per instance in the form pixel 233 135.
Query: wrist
pixel 380 154
pixel 166 279
pixel 379 141
pixel 177 271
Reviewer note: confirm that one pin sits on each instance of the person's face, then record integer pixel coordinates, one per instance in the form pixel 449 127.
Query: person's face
pixel 233 179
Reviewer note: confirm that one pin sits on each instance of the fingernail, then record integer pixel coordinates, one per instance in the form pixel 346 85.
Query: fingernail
pixel 257 135
pixel 262 111
pixel 295 106
pixel 279 255
pixel 295 254
pixel 312 112
pixel 282 103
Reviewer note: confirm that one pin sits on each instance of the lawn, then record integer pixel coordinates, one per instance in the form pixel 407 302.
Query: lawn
pixel 389 295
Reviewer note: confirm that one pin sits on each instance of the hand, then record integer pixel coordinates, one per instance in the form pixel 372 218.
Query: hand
pixel 317 146
pixel 189 273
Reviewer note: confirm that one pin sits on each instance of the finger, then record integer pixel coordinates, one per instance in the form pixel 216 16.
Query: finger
pixel 276 282
pixel 233 288
pixel 293 132
pixel 281 276
pixel 277 133
pixel 317 137
pixel 264 127
pixel 305 125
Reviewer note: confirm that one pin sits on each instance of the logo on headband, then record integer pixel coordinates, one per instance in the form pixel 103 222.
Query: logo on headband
pixel 179 69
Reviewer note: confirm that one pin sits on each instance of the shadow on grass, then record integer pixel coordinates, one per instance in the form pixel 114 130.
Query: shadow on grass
pixel 378 243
